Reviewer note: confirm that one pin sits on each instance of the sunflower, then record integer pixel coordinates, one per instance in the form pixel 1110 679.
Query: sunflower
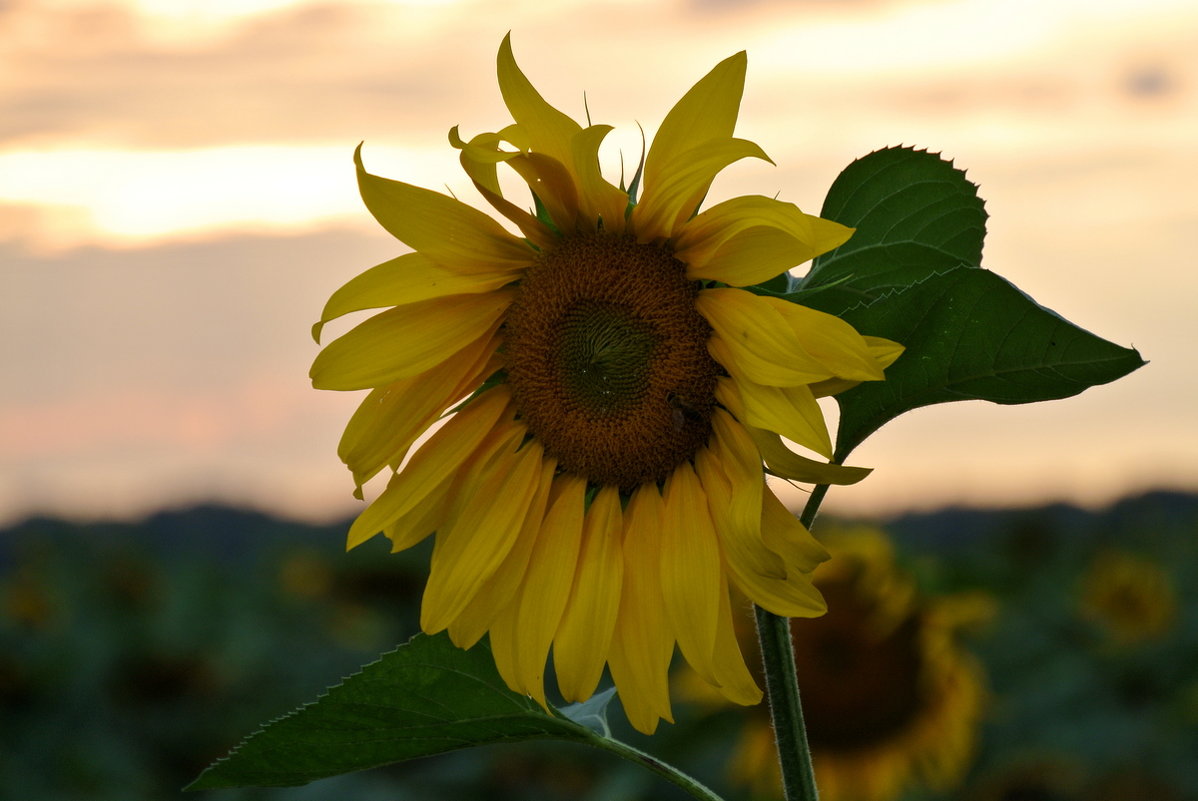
pixel 1132 597
pixel 615 391
pixel 890 699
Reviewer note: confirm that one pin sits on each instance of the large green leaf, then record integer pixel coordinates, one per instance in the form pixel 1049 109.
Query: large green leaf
pixel 425 697
pixel 971 335
pixel 916 215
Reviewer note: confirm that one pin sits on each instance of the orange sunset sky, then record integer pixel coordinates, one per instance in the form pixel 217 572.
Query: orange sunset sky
pixel 177 200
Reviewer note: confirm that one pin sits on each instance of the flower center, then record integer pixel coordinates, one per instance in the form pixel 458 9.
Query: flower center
pixel 607 359
pixel 860 689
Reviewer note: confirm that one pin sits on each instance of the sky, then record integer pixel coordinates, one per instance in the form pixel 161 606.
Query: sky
pixel 177 201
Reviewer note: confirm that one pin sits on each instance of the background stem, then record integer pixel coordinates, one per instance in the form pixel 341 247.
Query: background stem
pixel 782 688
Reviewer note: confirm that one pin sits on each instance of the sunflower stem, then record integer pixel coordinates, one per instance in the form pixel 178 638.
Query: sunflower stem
pixel 782 689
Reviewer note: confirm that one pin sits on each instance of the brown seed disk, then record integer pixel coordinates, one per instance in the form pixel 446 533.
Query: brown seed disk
pixel 607 359
pixel 860 688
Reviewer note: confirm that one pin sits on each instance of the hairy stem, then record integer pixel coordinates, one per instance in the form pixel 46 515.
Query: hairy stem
pixel 782 689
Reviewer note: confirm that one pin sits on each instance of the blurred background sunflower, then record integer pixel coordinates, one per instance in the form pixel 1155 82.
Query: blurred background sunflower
pixel 891 699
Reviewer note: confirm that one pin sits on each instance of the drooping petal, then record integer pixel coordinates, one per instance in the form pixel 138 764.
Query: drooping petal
pixel 706 112
pixel 790 411
pixel 790 595
pixel 548 583
pixel 691 571
pixel 409 278
pixel 738 459
pixel 784 462
pixel 789 538
pixel 732 674
pixel 747 240
pixel 481 533
pixel 443 454
pixel 407 340
pixel 499 590
pixel 643 642
pixel 505 648
pixel 753 339
pixel 684 182
pixel 391 418
pixel 739 543
pixel 423 519
pixel 444 229
pixel 581 646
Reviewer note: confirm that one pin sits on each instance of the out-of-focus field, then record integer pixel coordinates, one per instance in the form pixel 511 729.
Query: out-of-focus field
pixel 131 655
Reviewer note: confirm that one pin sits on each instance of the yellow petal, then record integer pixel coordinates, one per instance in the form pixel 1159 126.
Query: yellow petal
pixel 407 340
pixel 409 278
pixel 733 676
pixel 791 595
pixel 784 462
pixel 747 240
pixel 483 530
pixel 789 538
pixel 391 418
pixel 443 454
pixel 830 341
pixel 790 411
pixel 505 648
pixel 584 634
pixel 479 157
pixel 422 520
pixel 685 179
pixel 549 580
pixel 739 461
pixel 444 229
pixel 643 642
pixel 499 590
pixel 550 181
pixel 706 112
pixel 884 351
pixel 691 572
pixel 753 339
pixel 549 131
pixel 599 200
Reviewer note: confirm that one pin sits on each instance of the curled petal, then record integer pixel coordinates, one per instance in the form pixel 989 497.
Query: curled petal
pixel 747 240
pixel 444 229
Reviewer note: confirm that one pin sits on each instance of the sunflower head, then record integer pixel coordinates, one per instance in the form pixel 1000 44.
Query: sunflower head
pixel 890 699
pixel 1131 597
pixel 618 396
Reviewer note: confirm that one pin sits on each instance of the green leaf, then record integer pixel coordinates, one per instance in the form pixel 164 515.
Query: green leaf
pixel 423 698
pixel 971 335
pixel 916 215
